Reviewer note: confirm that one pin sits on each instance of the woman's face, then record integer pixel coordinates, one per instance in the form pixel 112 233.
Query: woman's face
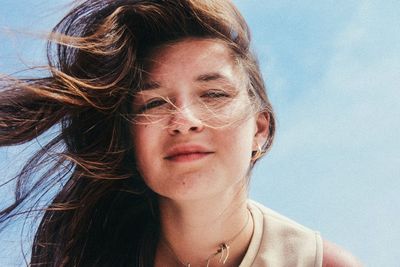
pixel 195 127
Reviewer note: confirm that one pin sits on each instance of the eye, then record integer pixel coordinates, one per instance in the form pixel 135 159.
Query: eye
pixel 152 103
pixel 215 94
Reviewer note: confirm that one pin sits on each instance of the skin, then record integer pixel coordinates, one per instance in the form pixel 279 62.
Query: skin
pixel 176 71
pixel 202 199
pixel 193 139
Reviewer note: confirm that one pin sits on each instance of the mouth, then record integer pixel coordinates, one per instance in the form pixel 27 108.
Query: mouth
pixel 187 153
pixel 188 156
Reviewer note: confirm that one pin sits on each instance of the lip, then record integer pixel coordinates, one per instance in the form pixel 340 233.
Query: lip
pixel 187 152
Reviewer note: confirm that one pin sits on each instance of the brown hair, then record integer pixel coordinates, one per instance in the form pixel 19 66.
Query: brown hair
pixel 103 214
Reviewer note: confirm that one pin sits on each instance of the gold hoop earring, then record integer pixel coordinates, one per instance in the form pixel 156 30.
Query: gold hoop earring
pixel 257 154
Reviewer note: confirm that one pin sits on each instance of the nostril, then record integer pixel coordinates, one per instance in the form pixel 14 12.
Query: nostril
pixel 194 128
pixel 184 126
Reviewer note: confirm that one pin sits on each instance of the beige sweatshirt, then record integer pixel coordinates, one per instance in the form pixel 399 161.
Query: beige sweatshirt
pixel 280 242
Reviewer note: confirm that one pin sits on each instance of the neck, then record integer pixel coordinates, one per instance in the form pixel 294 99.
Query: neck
pixel 192 231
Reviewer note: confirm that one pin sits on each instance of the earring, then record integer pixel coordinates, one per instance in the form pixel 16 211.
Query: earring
pixel 257 154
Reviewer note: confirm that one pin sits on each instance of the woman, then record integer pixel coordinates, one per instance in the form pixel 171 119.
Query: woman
pixel 163 114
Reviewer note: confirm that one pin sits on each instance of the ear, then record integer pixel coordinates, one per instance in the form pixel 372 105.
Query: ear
pixel 262 130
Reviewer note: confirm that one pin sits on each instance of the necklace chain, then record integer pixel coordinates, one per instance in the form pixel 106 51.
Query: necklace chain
pixel 223 248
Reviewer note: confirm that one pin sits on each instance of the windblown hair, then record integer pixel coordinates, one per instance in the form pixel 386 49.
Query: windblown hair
pixel 104 214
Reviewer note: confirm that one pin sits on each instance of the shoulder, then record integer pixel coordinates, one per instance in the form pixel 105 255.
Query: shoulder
pixel 282 240
pixel 296 237
pixel 335 256
pixel 280 223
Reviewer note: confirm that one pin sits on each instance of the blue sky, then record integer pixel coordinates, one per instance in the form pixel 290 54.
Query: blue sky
pixel 333 73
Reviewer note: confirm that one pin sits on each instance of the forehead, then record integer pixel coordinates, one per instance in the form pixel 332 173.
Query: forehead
pixel 190 58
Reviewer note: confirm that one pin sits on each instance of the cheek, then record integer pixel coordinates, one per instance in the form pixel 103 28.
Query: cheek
pixel 142 142
pixel 235 114
pixel 238 147
pixel 243 150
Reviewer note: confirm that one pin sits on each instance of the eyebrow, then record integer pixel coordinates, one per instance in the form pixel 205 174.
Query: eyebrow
pixel 150 86
pixel 207 77
pixel 213 76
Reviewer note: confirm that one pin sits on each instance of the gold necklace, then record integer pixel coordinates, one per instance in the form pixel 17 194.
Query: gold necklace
pixel 223 248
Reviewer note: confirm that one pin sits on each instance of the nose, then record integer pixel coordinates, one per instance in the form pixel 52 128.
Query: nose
pixel 184 121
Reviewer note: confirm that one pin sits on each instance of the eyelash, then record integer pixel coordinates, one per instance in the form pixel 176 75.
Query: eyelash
pixel 215 94
pixel 152 104
pixel 159 102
